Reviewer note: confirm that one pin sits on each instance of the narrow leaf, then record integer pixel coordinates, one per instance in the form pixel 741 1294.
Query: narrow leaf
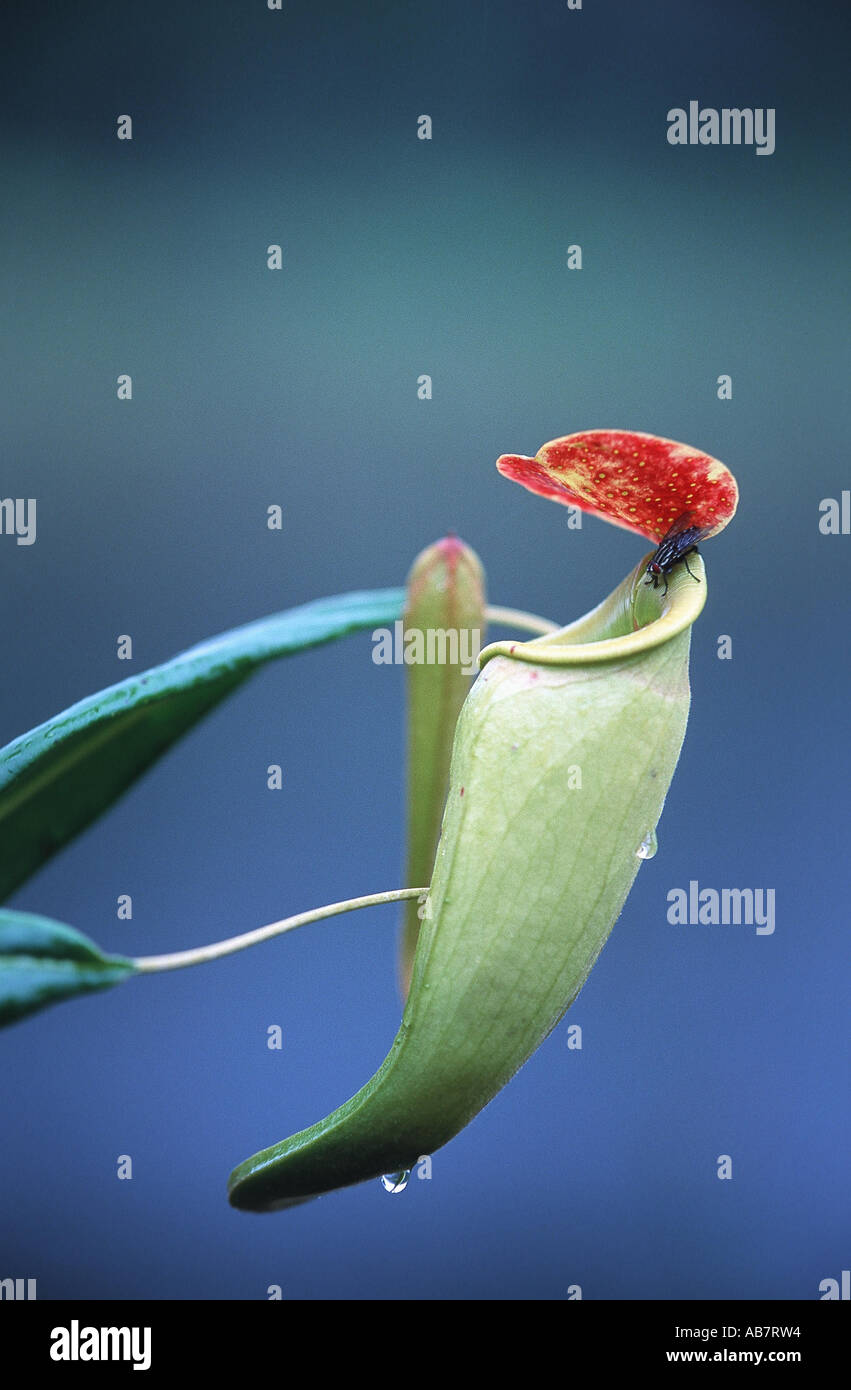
pixel 43 962
pixel 60 776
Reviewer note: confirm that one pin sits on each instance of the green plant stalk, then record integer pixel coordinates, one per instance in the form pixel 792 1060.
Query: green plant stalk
pixel 445 593
pixel 43 961
pixel 531 873
pixel 201 955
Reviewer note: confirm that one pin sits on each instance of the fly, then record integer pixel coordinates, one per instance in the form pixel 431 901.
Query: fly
pixel 678 542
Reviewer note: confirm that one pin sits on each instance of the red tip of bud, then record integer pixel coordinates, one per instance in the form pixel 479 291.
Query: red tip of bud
pixel 449 567
pixel 451 549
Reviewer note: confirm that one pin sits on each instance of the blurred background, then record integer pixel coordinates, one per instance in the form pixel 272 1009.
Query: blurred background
pixel 404 257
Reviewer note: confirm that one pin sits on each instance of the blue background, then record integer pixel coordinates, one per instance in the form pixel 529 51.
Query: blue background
pixel 404 257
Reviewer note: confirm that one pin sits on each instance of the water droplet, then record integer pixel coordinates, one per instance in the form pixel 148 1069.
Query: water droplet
pixel 396 1182
pixel 648 846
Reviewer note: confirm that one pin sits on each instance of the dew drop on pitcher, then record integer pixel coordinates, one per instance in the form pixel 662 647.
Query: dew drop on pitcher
pixel 648 846
pixel 396 1182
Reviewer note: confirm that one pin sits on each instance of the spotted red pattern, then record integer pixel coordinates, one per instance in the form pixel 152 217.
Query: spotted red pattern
pixel 638 481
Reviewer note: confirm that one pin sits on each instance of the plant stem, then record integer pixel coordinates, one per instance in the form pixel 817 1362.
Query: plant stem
pixel 514 617
pixel 178 959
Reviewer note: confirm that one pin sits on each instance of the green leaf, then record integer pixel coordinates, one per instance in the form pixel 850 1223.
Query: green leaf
pixel 43 962
pixel 563 755
pixel 446 595
pixel 60 776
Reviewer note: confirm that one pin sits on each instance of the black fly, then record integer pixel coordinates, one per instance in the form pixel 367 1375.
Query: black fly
pixel 680 541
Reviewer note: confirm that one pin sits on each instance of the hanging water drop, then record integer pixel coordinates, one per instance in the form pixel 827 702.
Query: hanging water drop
pixel 648 846
pixel 396 1182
